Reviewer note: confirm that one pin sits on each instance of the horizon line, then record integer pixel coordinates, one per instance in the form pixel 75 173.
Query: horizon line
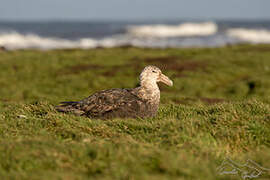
pixel 129 19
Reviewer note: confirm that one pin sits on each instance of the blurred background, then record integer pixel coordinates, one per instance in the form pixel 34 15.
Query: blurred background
pixel 57 24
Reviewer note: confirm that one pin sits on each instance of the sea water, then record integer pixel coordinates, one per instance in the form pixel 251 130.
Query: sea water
pixel 156 34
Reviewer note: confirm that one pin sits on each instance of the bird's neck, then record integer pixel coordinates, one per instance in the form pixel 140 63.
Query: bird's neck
pixel 149 90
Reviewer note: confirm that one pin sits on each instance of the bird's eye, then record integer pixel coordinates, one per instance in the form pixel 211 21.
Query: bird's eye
pixel 154 71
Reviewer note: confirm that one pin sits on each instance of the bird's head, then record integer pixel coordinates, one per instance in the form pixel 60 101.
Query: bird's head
pixel 152 74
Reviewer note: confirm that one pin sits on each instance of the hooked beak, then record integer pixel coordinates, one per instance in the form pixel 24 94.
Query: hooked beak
pixel 165 80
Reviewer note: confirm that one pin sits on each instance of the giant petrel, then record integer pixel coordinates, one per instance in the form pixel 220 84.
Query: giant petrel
pixel 142 101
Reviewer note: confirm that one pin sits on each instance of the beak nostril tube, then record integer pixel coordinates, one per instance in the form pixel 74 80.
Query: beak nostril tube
pixel 165 80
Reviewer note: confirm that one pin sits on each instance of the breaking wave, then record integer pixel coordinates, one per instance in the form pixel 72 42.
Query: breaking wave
pixel 250 35
pixel 185 35
pixel 181 30
pixel 14 40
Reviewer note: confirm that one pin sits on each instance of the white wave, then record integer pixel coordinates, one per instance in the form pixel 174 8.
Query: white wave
pixel 14 40
pixel 250 35
pixel 181 30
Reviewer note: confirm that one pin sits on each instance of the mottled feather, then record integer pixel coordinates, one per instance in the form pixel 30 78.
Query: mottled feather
pixel 140 102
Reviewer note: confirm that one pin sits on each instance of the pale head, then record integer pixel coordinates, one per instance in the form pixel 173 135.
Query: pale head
pixel 152 75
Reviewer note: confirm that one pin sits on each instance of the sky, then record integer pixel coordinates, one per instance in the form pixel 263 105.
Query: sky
pixel 21 10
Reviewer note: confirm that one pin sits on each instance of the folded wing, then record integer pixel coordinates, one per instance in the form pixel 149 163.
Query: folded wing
pixel 107 104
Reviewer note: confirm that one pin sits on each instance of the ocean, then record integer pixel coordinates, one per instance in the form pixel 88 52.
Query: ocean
pixel 154 34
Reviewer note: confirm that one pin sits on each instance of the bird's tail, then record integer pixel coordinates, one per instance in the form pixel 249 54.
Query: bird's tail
pixel 69 107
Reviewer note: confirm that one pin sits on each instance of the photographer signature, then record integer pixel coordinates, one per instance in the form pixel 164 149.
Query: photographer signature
pixel 248 170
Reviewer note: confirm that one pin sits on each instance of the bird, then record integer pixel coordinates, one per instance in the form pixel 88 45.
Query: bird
pixel 140 102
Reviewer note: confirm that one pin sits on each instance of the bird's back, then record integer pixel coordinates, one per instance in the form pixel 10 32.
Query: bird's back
pixel 123 103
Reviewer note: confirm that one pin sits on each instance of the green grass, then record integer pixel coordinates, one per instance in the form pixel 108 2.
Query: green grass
pixel 219 107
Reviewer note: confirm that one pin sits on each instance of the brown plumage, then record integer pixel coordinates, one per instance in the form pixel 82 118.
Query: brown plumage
pixel 142 101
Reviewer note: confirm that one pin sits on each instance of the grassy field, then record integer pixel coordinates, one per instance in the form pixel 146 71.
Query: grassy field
pixel 218 108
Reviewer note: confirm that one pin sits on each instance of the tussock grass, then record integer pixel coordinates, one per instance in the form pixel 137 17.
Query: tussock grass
pixel 219 107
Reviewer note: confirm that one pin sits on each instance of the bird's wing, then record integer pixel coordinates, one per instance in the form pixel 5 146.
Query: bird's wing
pixel 113 102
